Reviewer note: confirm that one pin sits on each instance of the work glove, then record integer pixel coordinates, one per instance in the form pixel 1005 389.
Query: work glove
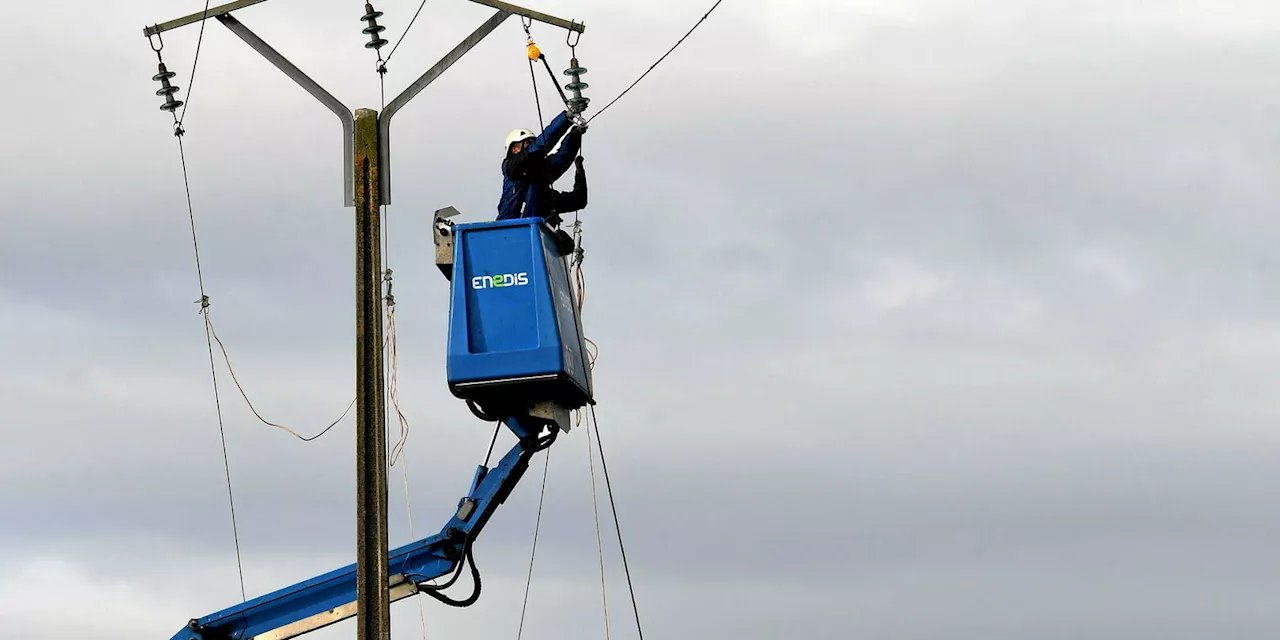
pixel 578 121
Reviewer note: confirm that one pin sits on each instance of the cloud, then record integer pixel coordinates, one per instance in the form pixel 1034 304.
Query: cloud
pixel 925 307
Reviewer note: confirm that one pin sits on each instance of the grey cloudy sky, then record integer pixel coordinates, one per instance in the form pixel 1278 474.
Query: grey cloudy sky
pixel 918 320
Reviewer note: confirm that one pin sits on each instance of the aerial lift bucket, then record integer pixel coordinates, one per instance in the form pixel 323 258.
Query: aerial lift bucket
pixel 516 344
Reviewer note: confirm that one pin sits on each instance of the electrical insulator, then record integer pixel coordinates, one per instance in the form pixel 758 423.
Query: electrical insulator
pixel 167 90
pixel 575 71
pixel 371 16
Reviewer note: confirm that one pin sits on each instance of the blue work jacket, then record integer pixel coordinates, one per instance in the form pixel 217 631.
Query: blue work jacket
pixel 527 180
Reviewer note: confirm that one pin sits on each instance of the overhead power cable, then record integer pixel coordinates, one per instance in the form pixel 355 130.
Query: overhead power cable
pixel 406 31
pixel 191 83
pixel 651 67
pixel 534 552
pixel 617 526
pixel 595 509
pixel 208 335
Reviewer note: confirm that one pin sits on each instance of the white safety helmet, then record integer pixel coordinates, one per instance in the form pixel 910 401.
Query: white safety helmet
pixel 518 135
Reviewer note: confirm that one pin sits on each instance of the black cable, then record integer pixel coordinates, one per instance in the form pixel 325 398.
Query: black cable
pixel 546 441
pixel 457 573
pixel 430 589
pixel 470 600
pixel 617 526
pixel 406 31
pixel 533 554
pixel 595 512
pixel 536 100
pixel 478 411
pixel 555 81
pixel 204 310
pixel 673 48
pixel 191 83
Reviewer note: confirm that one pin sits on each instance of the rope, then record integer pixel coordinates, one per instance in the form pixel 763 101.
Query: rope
pixel 533 554
pixel 208 330
pixel 580 281
pixel 244 395
pixel 595 508
pixel 408 503
pixel 398 451
pixel 651 67
pixel 394 388
pixel 617 526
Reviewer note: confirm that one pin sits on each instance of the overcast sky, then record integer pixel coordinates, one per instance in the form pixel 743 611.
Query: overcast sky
pixel 918 320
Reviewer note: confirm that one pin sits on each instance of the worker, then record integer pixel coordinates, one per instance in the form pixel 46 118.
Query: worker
pixel 529 172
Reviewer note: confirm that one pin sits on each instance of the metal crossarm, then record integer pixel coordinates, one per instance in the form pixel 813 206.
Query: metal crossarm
pixel 198 16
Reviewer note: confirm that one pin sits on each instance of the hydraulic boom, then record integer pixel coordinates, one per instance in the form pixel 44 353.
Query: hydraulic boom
pixel 331 597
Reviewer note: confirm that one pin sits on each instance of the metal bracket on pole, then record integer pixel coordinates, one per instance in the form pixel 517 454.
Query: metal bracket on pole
pixel 296 74
pixel 222 13
pixel 198 16
pixel 534 15
pixel 384 122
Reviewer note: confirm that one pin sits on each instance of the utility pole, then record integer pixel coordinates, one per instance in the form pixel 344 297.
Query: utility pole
pixel 366 187
pixel 373 602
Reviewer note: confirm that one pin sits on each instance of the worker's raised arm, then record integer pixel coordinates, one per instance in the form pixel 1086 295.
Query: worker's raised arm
pixel 562 159
pixel 554 131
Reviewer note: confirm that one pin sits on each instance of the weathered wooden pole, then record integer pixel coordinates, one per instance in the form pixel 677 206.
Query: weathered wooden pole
pixel 373 602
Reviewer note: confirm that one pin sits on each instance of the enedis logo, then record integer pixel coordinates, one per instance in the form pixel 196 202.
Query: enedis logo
pixel 501 280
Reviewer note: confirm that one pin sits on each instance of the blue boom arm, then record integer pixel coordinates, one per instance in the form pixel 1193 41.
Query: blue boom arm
pixel 330 598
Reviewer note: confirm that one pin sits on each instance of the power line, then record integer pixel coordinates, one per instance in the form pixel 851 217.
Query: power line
pixel 617 526
pixel 406 31
pixel 208 334
pixel 595 509
pixel 534 553
pixel 191 83
pixel 651 67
